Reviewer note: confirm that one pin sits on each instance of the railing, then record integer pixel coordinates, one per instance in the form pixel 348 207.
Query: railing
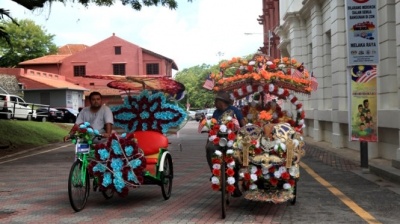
pixel 20 110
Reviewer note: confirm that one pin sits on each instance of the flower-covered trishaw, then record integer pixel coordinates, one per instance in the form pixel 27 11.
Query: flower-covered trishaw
pixel 266 151
pixel 137 157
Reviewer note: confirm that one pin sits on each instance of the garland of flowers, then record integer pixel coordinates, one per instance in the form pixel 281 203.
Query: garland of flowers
pixel 147 111
pixel 85 133
pixel 217 158
pixel 284 72
pixel 118 164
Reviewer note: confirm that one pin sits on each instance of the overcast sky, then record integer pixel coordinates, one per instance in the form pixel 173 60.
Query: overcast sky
pixel 193 34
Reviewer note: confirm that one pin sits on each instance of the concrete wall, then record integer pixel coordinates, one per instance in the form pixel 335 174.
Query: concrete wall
pixel 314 32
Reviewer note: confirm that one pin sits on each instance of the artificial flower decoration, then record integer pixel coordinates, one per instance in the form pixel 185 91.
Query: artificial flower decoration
pixel 85 133
pixel 118 164
pixel 147 112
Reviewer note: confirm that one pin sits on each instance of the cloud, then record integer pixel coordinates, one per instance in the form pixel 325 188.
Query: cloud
pixel 191 35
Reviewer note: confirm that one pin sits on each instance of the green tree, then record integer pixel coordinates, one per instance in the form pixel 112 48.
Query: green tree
pixel 193 78
pixel 135 4
pixel 28 41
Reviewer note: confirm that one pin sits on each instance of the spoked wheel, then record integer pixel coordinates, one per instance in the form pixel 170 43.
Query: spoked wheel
pixel 293 201
pixel 166 177
pixel 78 189
pixel 109 193
pixel 224 196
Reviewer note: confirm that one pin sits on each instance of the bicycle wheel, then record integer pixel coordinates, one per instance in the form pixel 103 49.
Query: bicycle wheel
pixel 166 177
pixel 223 190
pixel 78 189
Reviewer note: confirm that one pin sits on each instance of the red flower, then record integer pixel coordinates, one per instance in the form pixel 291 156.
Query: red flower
pixel 258 172
pixel 212 132
pixel 230 125
pixel 246 176
pixel 216 160
pixel 230 172
pixel 271 169
pixel 215 187
pixel 230 188
pixel 229 160
pixel 216 141
pixel 231 136
pixel 285 176
pixel 292 182
pixel 298 106
pixel 216 127
pixel 253 142
pixel 82 130
pixel 216 172
pixel 257 151
pixel 273 181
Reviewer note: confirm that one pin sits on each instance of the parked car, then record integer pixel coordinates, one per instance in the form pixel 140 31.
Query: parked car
pixel 13 106
pixel 199 115
pixel 210 112
pixel 191 115
pixel 49 114
pixel 70 114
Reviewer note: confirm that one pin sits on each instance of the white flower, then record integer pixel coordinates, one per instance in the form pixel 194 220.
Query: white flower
pixel 276 147
pixel 230 144
pixel 212 137
pixel 229 118
pixel 230 180
pixel 214 180
pixel 229 151
pixel 216 166
pixel 231 164
pixel 277 174
pixel 218 153
pixel 301 121
pixel 281 66
pixel 270 63
pixel 283 146
pixel 240 92
pixel 280 91
pixel 253 187
pixel 260 89
pixel 252 62
pixel 267 176
pixel 253 169
pixel 253 177
pixel 282 169
pixel 241 175
pixel 223 128
pixel 290 97
pixel 274 115
pixel 287 186
pixel 271 87
pixel 249 89
pixel 265 170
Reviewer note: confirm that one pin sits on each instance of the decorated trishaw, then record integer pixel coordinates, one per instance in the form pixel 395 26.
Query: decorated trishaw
pixel 265 152
pixel 137 157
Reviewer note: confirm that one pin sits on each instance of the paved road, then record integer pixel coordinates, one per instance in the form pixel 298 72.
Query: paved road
pixel 33 189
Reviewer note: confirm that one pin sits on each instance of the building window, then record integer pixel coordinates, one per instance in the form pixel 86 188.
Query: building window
pixel 117 50
pixel 119 69
pixel 152 69
pixel 79 70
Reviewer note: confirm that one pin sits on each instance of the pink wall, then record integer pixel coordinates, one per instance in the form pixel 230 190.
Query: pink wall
pixel 12 71
pixel 270 20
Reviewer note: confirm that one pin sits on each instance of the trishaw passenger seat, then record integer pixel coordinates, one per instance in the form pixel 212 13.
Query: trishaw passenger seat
pixel 151 141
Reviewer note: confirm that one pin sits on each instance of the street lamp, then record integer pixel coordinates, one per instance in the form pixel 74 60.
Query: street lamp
pixel 269 39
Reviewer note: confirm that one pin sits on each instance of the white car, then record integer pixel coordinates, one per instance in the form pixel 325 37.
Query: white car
pixel 190 115
pixel 13 106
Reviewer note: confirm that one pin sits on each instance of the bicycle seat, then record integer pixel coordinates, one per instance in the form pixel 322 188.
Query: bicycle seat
pixel 151 141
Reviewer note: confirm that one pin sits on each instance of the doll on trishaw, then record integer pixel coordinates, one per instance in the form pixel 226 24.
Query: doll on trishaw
pixel 137 157
pixel 267 150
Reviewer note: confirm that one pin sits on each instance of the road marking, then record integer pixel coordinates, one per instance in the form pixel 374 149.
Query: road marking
pixel 346 200
pixel 34 154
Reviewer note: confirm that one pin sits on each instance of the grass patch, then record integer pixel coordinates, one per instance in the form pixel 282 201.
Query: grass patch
pixel 31 133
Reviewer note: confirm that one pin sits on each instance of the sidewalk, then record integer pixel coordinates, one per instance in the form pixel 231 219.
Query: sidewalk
pixel 380 171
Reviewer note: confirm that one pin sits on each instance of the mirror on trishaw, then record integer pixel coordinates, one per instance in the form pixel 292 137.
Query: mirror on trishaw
pixel 267 150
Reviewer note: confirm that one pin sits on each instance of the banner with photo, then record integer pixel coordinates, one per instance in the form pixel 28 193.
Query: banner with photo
pixel 362 32
pixel 364 107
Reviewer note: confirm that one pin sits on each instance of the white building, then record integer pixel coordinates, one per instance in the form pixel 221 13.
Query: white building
pixel 314 32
